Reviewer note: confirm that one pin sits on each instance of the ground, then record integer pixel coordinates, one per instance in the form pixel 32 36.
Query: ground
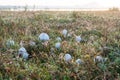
pixel 99 31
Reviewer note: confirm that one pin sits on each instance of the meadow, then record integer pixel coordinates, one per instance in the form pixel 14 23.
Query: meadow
pixel 98 50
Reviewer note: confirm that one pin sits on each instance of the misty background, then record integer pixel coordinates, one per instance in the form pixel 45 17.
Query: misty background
pixel 62 4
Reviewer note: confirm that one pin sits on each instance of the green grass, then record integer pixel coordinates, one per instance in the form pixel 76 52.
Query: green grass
pixel 100 33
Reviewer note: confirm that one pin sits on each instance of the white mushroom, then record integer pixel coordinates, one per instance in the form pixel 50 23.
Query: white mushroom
pixel 57 45
pixel 43 37
pixel 78 61
pixel 98 59
pixel 67 57
pixel 64 32
pixel 22 51
pixel 10 43
pixel 25 55
pixel 58 39
pixel 78 38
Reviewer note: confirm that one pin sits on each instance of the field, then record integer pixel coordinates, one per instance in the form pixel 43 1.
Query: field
pixel 100 36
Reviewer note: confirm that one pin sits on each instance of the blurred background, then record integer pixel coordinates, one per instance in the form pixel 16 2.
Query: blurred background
pixel 59 4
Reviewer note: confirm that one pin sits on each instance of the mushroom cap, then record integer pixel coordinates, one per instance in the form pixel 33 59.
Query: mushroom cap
pixel 43 37
pixel 25 55
pixel 58 39
pixel 10 43
pixel 67 57
pixel 78 61
pixel 64 32
pixel 57 45
pixel 78 38
pixel 98 59
pixel 22 50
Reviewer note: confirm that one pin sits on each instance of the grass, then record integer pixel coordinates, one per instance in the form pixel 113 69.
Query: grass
pixel 100 33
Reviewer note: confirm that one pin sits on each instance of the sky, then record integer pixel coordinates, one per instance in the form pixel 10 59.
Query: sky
pixel 64 3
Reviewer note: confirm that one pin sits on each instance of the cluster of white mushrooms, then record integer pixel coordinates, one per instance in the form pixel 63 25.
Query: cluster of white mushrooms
pixel 45 37
pixel 22 52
